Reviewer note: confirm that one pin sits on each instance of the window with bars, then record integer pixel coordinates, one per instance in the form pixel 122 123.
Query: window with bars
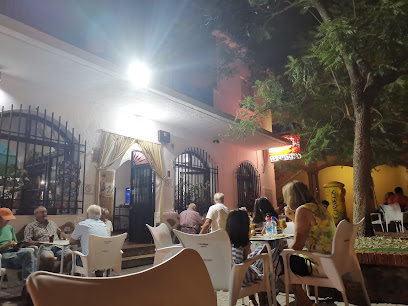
pixel 40 163
pixel 196 180
pixel 248 185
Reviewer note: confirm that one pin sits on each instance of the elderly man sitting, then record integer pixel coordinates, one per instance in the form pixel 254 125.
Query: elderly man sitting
pixel 40 230
pixel 190 220
pixel 91 226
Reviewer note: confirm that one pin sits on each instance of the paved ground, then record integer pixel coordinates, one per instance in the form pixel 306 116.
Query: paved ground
pixel 11 296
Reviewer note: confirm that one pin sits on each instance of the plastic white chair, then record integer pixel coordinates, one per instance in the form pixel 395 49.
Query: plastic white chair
pixel 393 213
pixel 377 220
pixel 342 262
pixel 215 250
pixel 163 243
pixel 182 280
pixel 289 230
pixel 104 253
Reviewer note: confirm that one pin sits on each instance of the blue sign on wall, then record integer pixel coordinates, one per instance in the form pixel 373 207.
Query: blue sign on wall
pixel 127 195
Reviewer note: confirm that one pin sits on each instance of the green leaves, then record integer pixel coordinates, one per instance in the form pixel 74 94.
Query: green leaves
pixel 313 97
pixel 334 38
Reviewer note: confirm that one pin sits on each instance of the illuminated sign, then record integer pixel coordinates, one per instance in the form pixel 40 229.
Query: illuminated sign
pixel 288 152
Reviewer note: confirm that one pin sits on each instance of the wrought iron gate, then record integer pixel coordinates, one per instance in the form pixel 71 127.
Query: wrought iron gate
pixel 142 199
pixel 248 185
pixel 196 180
pixel 40 163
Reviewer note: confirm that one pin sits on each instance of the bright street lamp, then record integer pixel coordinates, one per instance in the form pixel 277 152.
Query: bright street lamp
pixel 139 74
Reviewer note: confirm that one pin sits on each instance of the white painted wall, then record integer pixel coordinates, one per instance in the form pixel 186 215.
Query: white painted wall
pixel 88 120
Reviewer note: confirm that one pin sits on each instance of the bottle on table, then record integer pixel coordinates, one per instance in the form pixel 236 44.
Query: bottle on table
pixel 270 227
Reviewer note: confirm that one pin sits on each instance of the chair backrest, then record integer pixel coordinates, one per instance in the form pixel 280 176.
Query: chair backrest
pixel 392 212
pixel 104 251
pixel 161 235
pixel 215 250
pixel 290 228
pixel 343 251
pixel 181 280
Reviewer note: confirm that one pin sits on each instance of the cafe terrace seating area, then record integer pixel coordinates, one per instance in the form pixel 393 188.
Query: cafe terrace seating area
pixel 198 269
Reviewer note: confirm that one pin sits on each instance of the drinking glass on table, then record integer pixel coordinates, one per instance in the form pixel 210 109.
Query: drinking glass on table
pixel 282 222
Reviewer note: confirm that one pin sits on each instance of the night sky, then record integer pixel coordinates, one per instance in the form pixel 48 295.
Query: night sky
pixel 167 34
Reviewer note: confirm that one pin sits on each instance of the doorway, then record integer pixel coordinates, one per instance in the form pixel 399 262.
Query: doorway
pixel 142 199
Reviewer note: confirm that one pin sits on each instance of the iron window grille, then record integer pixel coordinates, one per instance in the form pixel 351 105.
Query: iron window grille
pixel 248 185
pixel 196 180
pixel 41 162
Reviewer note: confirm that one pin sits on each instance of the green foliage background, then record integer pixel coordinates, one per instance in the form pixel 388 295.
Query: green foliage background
pixel 314 90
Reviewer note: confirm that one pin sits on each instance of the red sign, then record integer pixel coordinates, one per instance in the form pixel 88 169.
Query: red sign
pixel 288 152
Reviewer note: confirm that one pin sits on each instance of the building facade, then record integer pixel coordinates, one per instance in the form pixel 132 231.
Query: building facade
pixel 55 79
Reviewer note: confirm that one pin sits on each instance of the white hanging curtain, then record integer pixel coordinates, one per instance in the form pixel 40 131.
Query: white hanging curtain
pixel 113 147
pixel 153 154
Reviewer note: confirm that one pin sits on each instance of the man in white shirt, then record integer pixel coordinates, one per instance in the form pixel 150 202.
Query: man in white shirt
pixel 217 215
pixel 91 226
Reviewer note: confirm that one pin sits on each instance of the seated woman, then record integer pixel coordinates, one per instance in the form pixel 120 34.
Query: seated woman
pixel 263 208
pixel 314 229
pixel 238 228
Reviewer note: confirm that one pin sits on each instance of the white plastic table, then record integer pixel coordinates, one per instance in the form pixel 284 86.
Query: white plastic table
pixel 60 243
pixel 270 238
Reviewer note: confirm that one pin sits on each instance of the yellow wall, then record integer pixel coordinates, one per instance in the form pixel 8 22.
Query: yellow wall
pixel 289 177
pixel 385 179
pixel 342 174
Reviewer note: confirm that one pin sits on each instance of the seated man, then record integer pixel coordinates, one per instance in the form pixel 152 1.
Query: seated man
pixel 40 230
pixel 190 220
pixel 91 226
pixel 399 198
pixel 12 257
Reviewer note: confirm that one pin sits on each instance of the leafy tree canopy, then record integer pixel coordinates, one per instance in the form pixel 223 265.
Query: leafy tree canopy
pixel 315 88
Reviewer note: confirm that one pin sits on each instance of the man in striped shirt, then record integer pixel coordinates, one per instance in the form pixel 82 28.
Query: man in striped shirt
pixel 40 230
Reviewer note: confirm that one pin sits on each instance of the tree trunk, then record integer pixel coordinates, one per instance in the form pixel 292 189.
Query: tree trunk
pixel 362 186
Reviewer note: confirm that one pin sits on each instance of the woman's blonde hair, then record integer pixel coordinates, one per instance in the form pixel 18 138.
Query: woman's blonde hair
pixel 296 194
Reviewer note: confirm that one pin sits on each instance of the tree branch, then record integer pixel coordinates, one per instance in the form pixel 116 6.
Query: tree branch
pixel 341 92
pixel 289 6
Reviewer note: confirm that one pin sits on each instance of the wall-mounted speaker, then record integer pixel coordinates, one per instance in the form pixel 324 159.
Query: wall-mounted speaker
pixel 164 136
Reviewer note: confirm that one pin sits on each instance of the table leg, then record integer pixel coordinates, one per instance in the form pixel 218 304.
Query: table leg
pixel 39 257
pixel 62 260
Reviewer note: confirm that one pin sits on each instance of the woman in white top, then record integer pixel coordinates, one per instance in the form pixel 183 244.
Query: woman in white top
pixel 108 223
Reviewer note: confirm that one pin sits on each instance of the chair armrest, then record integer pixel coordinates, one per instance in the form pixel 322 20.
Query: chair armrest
pixel 377 215
pixel 311 255
pixel 247 263
pixel 36 249
pixel 77 253
pixel 239 270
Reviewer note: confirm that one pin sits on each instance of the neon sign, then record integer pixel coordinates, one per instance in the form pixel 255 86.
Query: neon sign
pixel 288 152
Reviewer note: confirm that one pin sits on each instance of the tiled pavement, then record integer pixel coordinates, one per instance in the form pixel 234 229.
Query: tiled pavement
pixel 11 296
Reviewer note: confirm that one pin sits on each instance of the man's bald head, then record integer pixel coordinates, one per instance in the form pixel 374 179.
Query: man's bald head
pixel 192 206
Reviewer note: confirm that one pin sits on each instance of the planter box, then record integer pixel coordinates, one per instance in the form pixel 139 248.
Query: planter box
pixel 386 276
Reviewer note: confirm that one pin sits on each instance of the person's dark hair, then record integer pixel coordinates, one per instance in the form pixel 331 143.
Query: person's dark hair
pixel 398 190
pixel 262 208
pixel 325 203
pixel 387 195
pixel 238 228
